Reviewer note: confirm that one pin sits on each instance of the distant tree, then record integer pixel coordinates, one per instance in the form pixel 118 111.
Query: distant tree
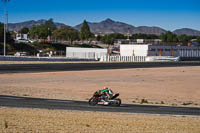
pixel 163 37
pixel 98 38
pixel 139 36
pixel 169 37
pixel 43 31
pixel 39 32
pixel 110 38
pixel 184 38
pixel 152 36
pixel 8 35
pixel 1 32
pixel 50 25
pixel 144 36
pixel 24 30
pixel 118 36
pixel 198 39
pixel 66 33
pixel 34 32
pixel 85 33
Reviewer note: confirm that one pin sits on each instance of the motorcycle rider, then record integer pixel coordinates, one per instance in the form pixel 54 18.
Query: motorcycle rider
pixel 106 93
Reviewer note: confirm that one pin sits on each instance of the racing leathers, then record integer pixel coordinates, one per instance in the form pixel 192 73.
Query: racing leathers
pixel 106 94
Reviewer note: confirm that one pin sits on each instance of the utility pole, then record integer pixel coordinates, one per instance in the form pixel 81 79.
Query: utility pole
pixel 5 24
pixel 6 21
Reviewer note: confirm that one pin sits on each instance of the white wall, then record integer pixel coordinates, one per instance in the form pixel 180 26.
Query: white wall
pixel 136 50
pixel 155 50
pixel 86 53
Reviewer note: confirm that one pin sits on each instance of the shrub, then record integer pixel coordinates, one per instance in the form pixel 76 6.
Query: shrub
pixel 5 124
pixel 162 102
pixel 144 101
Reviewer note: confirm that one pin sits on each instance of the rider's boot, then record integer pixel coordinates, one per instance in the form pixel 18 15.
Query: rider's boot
pixel 106 103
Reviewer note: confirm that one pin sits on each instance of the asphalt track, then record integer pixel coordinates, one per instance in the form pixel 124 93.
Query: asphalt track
pixel 32 68
pixel 24 102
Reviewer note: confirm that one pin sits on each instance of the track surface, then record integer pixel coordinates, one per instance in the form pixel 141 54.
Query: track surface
pixel 24 102
pixel 30 68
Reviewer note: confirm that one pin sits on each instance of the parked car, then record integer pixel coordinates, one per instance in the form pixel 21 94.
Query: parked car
pixel 21 54
pixel 25 41
pixel 43 55
pixel 32 41
pixel 22 41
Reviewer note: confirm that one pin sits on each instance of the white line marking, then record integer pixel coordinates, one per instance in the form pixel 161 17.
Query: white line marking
pixel 11 97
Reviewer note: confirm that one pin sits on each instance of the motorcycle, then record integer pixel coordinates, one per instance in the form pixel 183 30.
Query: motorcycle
pixel 99 99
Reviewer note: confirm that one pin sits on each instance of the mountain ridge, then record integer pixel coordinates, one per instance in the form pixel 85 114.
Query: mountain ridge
pixel 109 26
pixel 120 27
pixel 18 26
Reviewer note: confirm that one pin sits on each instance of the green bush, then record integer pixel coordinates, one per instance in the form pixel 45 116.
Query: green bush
pixel 162 102
pixel 144 101
pixel 5 124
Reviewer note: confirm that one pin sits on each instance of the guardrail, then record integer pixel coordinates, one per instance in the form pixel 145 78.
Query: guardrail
pixel 102 59
pixel 14 58
pixel 162 58
pixel 138 58
pixel 123 59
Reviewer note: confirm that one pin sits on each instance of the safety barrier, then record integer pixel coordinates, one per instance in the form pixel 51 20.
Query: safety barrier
pixel 162 58
pixel 138 58
pixel 14 58
pixel 102 59
pixel 123 59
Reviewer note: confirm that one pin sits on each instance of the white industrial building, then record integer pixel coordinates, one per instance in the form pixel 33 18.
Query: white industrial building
pixel 155 50
pixel 22 36
pixel 85 53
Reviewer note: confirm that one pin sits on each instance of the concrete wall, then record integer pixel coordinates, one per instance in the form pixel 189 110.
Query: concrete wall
pixel 85 53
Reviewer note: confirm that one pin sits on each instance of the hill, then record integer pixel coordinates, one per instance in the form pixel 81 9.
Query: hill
pixel 28 24
pixel 108 26
pixel 187 31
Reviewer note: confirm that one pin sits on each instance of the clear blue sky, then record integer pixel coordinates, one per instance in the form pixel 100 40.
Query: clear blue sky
pixel 168 14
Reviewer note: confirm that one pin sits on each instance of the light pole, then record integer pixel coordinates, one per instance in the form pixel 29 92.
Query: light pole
pixel 5 23
pixel 128 33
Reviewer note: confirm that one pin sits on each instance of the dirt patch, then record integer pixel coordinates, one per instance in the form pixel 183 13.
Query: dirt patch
pixel 165 86
pixel 14 120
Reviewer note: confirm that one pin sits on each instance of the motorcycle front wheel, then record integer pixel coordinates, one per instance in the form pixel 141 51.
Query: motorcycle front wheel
pixel 93 101
pixel 117 102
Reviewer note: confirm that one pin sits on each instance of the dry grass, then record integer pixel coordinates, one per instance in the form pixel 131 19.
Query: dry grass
pixel 54 121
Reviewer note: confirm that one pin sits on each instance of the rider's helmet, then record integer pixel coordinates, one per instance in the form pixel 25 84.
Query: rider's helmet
pixel 105 88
